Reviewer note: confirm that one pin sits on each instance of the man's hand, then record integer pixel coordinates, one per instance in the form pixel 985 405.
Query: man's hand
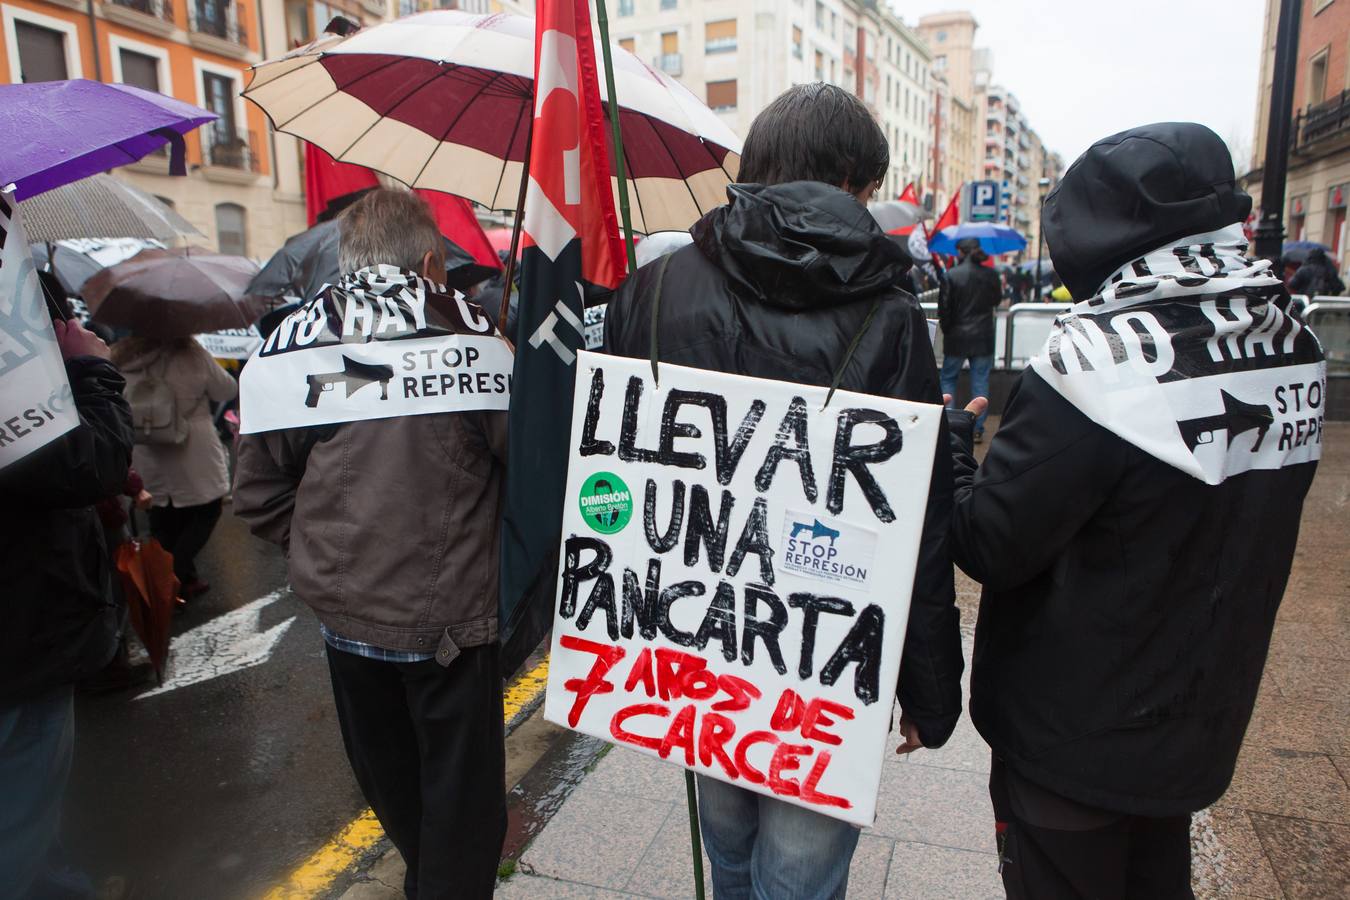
pixel 974 407
pixel 75 340
pixel 144 500
pixel 910 732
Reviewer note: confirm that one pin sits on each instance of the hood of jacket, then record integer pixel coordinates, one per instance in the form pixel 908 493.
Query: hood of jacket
pixel 1135 191
pixel 799 245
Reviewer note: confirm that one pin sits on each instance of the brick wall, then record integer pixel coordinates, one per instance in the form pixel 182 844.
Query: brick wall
pixel 1329 29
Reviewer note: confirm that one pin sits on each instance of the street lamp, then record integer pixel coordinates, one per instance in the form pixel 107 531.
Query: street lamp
pixel 1044 185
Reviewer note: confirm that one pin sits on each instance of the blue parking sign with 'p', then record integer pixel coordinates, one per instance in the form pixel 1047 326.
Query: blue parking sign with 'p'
pixel 984 201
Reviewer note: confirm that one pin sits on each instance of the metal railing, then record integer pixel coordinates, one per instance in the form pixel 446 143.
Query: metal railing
pixel 1329 317
pixel 670 63
pixel 159 9
pixel 222 20
pixel 230 150
pixel 1328 119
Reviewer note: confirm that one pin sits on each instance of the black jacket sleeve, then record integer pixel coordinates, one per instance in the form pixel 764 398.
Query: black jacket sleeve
pixel 89 462
pixel 929 689
pixel 1048 471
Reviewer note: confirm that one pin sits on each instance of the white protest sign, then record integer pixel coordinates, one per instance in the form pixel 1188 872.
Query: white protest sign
pixel 36 403
pixel 736 567
pixel 388 345
pixel 232 343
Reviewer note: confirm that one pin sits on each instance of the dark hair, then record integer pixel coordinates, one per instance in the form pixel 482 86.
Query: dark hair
pixel 815 132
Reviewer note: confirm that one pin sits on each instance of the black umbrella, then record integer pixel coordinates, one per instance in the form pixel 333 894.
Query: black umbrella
pixel 309 260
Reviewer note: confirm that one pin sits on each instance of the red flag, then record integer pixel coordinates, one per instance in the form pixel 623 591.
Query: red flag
pixel 455 218
pixel 569 192
pixel 951 215
pixel 326 180
pixel 571 239
pixel 909 195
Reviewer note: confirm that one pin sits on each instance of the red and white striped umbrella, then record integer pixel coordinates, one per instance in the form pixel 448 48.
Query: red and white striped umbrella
pixel 442 100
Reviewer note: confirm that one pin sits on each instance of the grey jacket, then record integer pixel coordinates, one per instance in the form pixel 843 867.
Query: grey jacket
pixel 390 526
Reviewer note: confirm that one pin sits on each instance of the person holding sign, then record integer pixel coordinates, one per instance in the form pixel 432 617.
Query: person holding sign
pixel 389 516
pixel 794 281
pixel 1135 521
pixel 60 619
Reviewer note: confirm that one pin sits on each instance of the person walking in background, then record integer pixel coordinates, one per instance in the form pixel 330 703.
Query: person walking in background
pixel 400 563
pixel 966 316
pixel 170 386
pixel 60 618
pixel 779 283
pixel 1133 523
pixel 1317 277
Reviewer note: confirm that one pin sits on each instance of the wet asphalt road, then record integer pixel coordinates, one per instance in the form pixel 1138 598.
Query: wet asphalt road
pixel 216 789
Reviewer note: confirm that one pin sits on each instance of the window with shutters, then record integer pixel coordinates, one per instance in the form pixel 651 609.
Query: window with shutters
pixel 719 37
pixel 628 44
pixel 42 52
pixel 722 94
pixel 230 234
pixel 670 42
pixel 796 41
pixel 139 69
pixel 820 66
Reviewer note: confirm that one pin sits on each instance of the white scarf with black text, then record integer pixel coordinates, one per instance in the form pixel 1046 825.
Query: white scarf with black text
pixel 1195 354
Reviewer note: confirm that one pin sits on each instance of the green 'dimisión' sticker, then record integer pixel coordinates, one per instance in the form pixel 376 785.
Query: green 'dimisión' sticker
pixel 605 502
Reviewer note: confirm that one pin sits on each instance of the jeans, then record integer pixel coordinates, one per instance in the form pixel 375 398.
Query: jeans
pixel 37 740
pixel 767 849
pixel 979 381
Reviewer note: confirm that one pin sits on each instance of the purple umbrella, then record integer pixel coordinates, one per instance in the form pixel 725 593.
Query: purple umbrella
pixel 73 129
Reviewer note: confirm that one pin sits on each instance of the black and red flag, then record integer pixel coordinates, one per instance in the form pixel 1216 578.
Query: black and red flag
pixel 571 239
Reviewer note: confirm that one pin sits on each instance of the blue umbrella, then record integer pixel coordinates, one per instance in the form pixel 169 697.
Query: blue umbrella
pixel 994 239
pixel 1297 251
pixel 71 129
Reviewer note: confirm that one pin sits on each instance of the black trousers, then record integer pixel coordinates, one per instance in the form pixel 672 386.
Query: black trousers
pixel 1051 847
pixel 184 531
pixel 426 744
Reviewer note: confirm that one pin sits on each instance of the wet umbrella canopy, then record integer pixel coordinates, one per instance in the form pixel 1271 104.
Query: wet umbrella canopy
pixel 73 129
pixel 994 239
pixel 443 100
pixel 174 293
pixel 102 207
pixel 75 261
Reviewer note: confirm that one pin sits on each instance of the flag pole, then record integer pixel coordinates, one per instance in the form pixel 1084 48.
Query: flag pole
pixel 602 16
pixel 619 166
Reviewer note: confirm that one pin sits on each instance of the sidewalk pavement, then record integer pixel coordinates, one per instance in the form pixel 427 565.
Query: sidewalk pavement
pixel 1281 831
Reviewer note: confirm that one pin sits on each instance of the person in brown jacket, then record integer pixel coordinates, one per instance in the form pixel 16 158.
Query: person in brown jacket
pixel 390 529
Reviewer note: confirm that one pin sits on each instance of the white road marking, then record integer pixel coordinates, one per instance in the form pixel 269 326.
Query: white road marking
pixel 229 643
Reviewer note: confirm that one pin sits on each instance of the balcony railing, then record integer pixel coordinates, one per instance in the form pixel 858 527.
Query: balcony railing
pixel 670 63
pixel 1323 121
pixel 230 150
pixel 159 9
pixel 720 45
pixel 222 20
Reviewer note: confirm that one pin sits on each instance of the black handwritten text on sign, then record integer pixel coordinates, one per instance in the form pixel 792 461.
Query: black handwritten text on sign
pixel 737 561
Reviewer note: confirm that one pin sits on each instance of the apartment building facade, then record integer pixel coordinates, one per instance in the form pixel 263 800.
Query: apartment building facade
pixel 1317 189
pixel 245 183
pixel 738 55
pixel 195 50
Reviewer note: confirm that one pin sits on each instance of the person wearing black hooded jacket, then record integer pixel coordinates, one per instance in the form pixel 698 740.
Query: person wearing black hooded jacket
pixel 777 284
pixel 1134 521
